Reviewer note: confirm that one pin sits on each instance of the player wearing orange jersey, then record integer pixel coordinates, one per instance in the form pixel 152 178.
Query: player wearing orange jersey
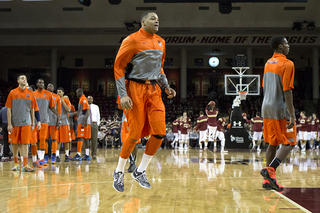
pixel 64 131
pixel 143 53
pixel 72 118
pixel 54 125
pixel 278 113
pixel 45 103
pixel 83 129
pixel 20 113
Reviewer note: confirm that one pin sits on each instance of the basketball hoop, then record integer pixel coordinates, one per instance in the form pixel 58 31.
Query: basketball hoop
pixel 243 95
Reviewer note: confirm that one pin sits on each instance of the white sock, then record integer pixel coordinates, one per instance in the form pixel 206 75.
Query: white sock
pixel 21 158
pixel 79 153
pixel 121 164
pixel 206 144
pixel 67 152
pixel 144 162
pixel 87 152
pixel 215 144
pixel 57 153
pixel 34 158
pixel 222 143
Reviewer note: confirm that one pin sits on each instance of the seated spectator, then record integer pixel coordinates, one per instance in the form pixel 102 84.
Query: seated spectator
pixel 109 139
pixel 194 138
pixel 169 138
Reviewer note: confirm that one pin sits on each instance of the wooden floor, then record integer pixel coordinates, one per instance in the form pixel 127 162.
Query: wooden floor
pixel 182 181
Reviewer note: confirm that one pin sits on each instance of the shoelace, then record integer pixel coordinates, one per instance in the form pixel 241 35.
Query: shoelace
pixel 120 179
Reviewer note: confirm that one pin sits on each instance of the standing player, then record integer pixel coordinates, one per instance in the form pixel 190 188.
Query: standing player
pixel 141 95
pixel 202 123
pixel 278 83
pixel 221 123
pixel 314 130
pixel 303 130
pixel 83 129
pixel 212 113
pixel 257 129
pixel 45 103
pixel 64 131
pixel 175 127
pixel 54 124
pixel 72 119
pixel 185 128
pixel 20 114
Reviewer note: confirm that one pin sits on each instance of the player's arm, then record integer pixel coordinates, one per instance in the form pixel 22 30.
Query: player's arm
pixel 10 128
pixel 32 119
pixel 66 107
pixel 289 102
pixel 87 116
pixel 124 56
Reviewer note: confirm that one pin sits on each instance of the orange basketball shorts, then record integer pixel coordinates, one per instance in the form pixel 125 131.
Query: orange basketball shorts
pixel 84 132
pixel 64 134
pixel 43 132
pixel 276 132
pixel 20 135
pixel 53 132
pixel 147 116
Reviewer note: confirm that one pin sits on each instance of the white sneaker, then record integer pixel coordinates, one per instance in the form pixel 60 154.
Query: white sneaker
pixel 258 150
pixel 186 147
pixel 172 144
pixel 224 151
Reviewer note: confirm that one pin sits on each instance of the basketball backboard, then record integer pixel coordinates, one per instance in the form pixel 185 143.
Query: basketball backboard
pixel 235 83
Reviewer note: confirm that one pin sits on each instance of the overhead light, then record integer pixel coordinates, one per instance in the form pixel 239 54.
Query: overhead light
pixel 225 7
pixel 311 26
pixel 297 26
pixel 115 2
pixel 85 2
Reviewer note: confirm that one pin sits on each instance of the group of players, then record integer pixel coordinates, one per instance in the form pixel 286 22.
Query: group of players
pixel 210 129
pixel 36 116
pixel 307 130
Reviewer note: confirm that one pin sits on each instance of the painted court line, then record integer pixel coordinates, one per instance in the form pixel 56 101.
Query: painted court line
pixel 292 202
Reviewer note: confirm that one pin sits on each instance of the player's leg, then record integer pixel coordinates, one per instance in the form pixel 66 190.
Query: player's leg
pixel 133 158
pixel 80 135
pixel 13 139
pixel 53 136
pixel 86 142
pixel 25 141
pixel 222 140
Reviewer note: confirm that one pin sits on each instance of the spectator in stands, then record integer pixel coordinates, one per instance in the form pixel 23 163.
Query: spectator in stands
pixel 109 138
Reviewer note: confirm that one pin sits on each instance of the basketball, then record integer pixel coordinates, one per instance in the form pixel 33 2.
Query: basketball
pixel 212 103
pixel 244 114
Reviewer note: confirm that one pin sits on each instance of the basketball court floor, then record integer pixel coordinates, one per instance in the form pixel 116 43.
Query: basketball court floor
pixel 182 182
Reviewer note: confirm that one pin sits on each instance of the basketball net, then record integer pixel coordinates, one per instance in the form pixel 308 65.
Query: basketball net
pixel 242 95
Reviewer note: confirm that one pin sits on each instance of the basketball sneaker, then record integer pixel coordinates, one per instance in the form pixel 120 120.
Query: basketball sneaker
pixel 223 151
pixel 36 165
pixel 27 168
pixel 269 174
pixel 86 157
pixel 132 167
pixel 53 159
pixel 46 158
pixel 266 184
pixel 118 181
pixel 16 167
pixel 76 158
pixel 141 178
pixel 42 162
pixel 67 158
pixel 58 159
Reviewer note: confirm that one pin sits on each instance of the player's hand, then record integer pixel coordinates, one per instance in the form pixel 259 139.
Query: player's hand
pixel 75 113
pixel 126 103
pixel 291 123
pixel 84 125
pixel 39 125
pixel 10 129
pixel 32 128
pixel 170 92
pixel 58 126
pixel 59 118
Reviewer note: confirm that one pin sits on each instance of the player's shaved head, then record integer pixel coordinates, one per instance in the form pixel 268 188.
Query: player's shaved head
pixel 276 41
pixel 145 15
